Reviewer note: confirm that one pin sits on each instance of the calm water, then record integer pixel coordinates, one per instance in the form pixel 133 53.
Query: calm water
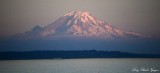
pixel 79 66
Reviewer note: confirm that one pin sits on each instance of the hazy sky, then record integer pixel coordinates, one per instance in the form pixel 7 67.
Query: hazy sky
pixel 18 16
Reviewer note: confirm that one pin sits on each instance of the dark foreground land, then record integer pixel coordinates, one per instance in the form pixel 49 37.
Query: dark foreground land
pixel 71 55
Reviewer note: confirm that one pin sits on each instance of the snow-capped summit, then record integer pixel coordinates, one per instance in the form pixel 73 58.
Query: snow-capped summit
pixel 82 23
pixel 78 14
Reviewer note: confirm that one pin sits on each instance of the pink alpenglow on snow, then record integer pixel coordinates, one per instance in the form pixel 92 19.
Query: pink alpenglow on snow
pixel 81 23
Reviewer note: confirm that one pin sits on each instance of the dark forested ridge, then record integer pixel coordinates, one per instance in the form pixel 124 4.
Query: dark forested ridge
pixel 71 55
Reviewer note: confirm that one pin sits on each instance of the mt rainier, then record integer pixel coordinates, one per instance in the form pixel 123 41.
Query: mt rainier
pixel 78 24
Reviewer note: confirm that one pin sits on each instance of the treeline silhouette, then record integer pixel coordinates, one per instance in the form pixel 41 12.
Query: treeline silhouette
pixel 71 55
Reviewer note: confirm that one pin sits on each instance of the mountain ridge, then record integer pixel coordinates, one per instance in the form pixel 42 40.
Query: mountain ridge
pixel 79 30
pixel 79 24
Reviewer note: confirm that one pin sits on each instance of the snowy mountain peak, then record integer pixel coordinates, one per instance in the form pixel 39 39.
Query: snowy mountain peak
pixel 83 15
pixel 77 13
pixel 81 23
